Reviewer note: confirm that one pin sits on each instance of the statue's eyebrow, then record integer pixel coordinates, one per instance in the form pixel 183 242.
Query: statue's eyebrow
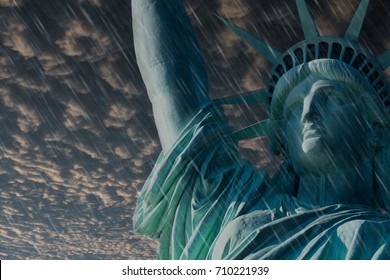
pixel 292 99
pixel 333 88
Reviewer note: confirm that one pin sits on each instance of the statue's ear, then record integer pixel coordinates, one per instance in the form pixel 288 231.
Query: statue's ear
pixel 379 136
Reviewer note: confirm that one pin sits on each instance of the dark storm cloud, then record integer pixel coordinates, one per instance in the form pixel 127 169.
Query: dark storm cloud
pixel 78 138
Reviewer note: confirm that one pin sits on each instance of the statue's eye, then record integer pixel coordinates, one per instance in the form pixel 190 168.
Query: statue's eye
pixel 333 96
pixel 337 98
pixel 294 108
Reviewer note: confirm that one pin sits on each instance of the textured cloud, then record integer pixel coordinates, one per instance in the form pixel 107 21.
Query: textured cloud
pixel 11 3
pixel 78 138
pixel 28 118
pixel 54 64
pixel 118 115
pixel 84 41
pixel 117 75
pixel 16 38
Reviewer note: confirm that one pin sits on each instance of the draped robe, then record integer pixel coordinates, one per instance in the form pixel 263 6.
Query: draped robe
pixel 204 201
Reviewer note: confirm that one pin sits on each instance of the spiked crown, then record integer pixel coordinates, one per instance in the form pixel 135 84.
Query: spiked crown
pixel 345 49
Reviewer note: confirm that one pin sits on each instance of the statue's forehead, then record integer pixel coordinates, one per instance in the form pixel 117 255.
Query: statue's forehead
pixel 302 89
pixel 313 84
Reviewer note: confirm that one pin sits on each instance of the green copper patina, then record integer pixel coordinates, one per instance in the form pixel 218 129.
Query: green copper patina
pixel 329 116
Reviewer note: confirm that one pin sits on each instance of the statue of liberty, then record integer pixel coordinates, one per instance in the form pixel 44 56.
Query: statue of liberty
pixel 329 111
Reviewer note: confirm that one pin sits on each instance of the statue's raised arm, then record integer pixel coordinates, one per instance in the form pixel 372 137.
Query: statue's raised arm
pixel 171 65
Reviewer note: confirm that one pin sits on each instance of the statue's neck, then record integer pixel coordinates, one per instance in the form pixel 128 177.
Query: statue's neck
pixel 352 185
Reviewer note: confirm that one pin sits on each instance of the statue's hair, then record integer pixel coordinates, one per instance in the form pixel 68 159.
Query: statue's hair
pixel 333 70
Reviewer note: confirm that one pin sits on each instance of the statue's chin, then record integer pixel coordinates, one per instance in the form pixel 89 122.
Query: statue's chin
pixel 312 146
pixel 316 155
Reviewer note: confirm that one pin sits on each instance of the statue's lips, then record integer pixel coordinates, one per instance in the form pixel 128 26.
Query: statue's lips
pixel 312 131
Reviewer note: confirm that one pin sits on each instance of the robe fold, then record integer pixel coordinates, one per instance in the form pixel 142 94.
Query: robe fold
pixel 204 201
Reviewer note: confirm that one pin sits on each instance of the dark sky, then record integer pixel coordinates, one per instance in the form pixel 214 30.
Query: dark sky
pixel 78 138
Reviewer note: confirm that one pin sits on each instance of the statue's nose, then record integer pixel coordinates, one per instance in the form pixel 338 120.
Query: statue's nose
pixel 311 109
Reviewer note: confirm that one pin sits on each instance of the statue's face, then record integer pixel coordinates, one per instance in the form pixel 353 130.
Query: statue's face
pixel 325 127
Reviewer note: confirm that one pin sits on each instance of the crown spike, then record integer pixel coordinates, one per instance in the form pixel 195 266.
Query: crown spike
pixel 309 28
pixel 258 129
pixel 251 97
pixel 384 59
pixel 356 23
pixel 267 51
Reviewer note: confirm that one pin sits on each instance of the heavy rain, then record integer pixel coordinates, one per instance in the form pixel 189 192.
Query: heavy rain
pixel 78 136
